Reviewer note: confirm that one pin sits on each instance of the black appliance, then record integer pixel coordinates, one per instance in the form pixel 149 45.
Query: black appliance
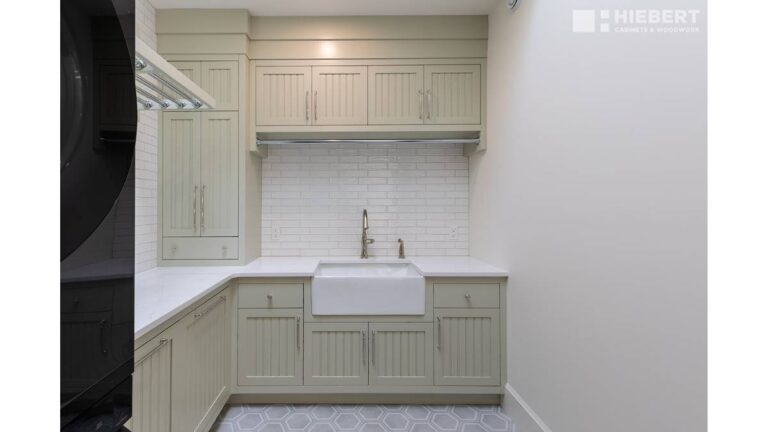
pixel 98 134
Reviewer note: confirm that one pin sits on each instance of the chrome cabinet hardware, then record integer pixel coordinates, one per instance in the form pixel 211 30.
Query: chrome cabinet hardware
pixel 468 296
pixel 421 105
pixel 213 306
pixel 194 209
pixel 298 332
pixel 439 331
pixel 373 348
pixel 315 105
pixel 269 296
pixel 160 344
pixel 363 345
pixel 202 209
pixel 306 105
pixel 429 104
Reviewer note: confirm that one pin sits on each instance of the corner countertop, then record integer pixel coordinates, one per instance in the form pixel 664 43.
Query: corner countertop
pixel 162 292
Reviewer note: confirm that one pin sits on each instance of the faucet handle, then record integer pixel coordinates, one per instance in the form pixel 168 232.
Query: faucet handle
pixel 401 249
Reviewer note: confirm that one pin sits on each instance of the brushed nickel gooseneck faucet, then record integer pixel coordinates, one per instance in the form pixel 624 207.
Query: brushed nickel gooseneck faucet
pixel 365 240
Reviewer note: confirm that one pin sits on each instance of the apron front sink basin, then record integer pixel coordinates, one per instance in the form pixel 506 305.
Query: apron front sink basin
pixel 368 288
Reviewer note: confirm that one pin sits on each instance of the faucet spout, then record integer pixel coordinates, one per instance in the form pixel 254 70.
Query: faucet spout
pixel 365 241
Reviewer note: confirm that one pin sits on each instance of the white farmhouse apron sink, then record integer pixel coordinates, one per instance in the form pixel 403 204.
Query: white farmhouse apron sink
pixel 368 288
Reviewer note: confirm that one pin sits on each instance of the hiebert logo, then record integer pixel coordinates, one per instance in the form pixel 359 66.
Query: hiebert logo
pixel 636 21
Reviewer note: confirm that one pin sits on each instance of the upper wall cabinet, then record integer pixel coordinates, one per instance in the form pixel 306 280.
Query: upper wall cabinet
pixel 282 95
pixel 218 78
pixel 395 94
pixel 339 95
pixel 452 94
pixel 440 94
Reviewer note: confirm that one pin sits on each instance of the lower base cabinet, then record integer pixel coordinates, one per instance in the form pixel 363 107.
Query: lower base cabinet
pixel 269 347
pixel 336 354
pixel 467 347
pixel 152 386
pixel 401 354
pixel 181 377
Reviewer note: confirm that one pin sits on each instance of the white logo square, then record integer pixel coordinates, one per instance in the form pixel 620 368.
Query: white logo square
pixel 583 21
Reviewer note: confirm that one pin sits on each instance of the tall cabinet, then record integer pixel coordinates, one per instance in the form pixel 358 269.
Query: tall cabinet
pixel 200 154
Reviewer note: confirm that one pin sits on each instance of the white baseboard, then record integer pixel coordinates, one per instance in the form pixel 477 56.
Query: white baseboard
pixel 523 417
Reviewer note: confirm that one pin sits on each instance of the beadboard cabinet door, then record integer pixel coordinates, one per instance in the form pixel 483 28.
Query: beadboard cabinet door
pixel 339 95
pixel 452 94
pixel 201 367
pixel 269 347
pixel 219 174
pixel 401 354
pixel 336 354
pixel 395 94
pixel 181 174
pixel 220 80
pixel 282 95
pixel 467 347
pixel 189 68
pixel 152 386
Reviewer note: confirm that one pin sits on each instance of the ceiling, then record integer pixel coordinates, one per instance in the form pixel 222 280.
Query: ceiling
pixel 337 7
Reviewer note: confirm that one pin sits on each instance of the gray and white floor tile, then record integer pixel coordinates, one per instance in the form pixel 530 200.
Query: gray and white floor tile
pixel 362 418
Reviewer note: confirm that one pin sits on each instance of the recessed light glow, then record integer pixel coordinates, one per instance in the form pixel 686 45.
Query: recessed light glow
pixel 327 49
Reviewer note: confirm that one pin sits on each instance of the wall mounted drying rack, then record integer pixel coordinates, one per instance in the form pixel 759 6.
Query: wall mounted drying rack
pixel 368 141
pixel 160 86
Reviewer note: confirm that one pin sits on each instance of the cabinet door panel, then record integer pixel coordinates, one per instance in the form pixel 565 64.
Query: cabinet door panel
pixel 467 347
pixel 395 94
pixel 181 174
pixel 340 95
pixel 189 68
pixel 269 347
pixel 152 386
pixel 282 95
pixel 201 368
pixel 220 80
pixel 219 174
pixel 401 354
pixel 336 354
pixel 452 94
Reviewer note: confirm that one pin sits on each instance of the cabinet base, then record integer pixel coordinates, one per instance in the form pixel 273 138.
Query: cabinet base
pixel 357 398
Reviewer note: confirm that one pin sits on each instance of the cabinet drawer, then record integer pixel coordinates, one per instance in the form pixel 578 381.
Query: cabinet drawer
pixel 270 296
pixel 224 248
pixel 466 295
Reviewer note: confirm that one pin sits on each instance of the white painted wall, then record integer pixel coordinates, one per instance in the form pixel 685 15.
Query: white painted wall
pixel 593 193
pixel 146 158
pixel 315 194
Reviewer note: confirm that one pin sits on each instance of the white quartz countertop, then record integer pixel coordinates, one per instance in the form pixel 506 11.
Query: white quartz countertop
pixel 163 292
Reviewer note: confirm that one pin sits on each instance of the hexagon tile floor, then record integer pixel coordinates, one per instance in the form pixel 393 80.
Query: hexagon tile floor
pixel 362 418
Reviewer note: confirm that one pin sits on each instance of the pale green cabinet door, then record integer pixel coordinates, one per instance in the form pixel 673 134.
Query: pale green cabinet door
pixel 181 174
pixel 336 354
pixel 152 386
pixel 452 94
pixel 189 68
pixel 467 347
pixel 220 80
pixel 201 366
pixel 396 94
pixel 269 347
pixel 340 95
pixel 219 174
pixel 282 95
pixel 401 354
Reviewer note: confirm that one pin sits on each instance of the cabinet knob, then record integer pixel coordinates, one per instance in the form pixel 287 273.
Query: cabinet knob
pixel 467 296
pixel 269 296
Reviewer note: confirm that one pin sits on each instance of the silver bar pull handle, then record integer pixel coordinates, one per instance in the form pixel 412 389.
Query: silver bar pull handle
pixel 421 104
pixel 202 209
pixel 315 106
pixel 362 346
pixel 439 331
pixel 373 348
pixel 194 209
pixel 160 344
pixel 306 105
pixel 429 104
pixel 298 332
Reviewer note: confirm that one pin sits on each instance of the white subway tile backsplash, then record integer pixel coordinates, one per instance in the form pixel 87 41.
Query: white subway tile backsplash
pixel 315 195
